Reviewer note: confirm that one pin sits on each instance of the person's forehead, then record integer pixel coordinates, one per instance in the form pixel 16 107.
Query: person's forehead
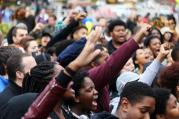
pixel 171 20
pixel 140 51
pixel 87 81
pixel 119 27
pixel 146 101
pixel 155 31
pixel 21 31
pixel 154 40
pixel 81 30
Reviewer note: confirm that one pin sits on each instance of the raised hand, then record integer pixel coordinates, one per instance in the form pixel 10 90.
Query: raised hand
pixel 73 14
pixel 88 53
pixel 164 51
pixel 39 26
pixel 144 29
pixel 80 16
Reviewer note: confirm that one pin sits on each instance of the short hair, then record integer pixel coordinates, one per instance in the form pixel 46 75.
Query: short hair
pixel 114 23
pixel 51 50
pixel 171 17
pixel 77 29
pixel 14 63
pixel 18 26
pixel 25 42
pixel 135 91
pixel 169 78
pixel 148 40
pixel 175 52
pixel 53 16
pixel 162 96
pixel 5 53
pixel 39 77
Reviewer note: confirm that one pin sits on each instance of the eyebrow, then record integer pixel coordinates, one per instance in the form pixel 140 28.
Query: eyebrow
pixel 147 107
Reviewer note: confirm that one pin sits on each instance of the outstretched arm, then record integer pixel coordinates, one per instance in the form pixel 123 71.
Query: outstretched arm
pixel 53 92
pixel 104 73
pixel 152 70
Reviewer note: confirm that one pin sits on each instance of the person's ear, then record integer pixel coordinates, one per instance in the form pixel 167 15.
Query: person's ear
pixel 13 39
pixel 124 104
pixel 75 35
pixel 177 88
pixel 19 75
pixel 160 116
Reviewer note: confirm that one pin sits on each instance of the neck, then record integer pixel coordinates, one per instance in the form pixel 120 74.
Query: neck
pixel 141 68
pixel 116 45
pixel 18 82
pixel 58 110
pixel 119 114
pixel 78 110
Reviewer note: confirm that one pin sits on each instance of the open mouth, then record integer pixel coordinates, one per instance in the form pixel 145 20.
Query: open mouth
pixel 94 103
pixel 157 50
pixel 146 57
pixel 95 100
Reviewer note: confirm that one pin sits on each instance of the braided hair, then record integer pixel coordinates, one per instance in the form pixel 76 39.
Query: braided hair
pixel 39 77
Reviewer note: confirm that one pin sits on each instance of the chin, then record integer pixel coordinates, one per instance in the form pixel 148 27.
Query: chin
pixel 121 41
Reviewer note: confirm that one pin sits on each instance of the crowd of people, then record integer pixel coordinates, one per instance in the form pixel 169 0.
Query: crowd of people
pixel 114 69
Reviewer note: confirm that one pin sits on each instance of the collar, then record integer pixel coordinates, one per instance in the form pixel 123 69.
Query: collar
pixel 15 86
pixel 111 48
pixel 81 116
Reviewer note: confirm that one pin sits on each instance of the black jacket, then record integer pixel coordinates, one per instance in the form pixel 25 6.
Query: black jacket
pixel 17 106
pixel 10 91
pixel 63 34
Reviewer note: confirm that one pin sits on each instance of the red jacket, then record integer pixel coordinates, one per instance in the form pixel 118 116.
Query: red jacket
pixel 45 102
pixel 101 76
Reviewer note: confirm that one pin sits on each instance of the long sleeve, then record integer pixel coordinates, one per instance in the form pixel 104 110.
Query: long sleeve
pixel 103 74
pixel 48 98
pixel 150 73
pixel 63 34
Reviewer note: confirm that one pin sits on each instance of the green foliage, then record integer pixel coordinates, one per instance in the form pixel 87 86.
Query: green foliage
pixel 4 28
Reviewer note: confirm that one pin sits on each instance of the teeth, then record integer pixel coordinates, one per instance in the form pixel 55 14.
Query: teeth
pixel 95 103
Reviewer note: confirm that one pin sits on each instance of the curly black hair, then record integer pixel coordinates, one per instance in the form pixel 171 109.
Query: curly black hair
pixel 39 77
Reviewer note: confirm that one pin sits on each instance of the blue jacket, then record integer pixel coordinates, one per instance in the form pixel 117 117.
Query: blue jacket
pixel 3 83
pixel 71 52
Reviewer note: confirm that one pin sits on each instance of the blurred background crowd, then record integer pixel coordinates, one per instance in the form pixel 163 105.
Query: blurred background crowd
pixel 56 31
pixel 38 11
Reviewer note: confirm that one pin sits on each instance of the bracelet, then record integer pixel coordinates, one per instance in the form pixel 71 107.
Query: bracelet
pixel 70 71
